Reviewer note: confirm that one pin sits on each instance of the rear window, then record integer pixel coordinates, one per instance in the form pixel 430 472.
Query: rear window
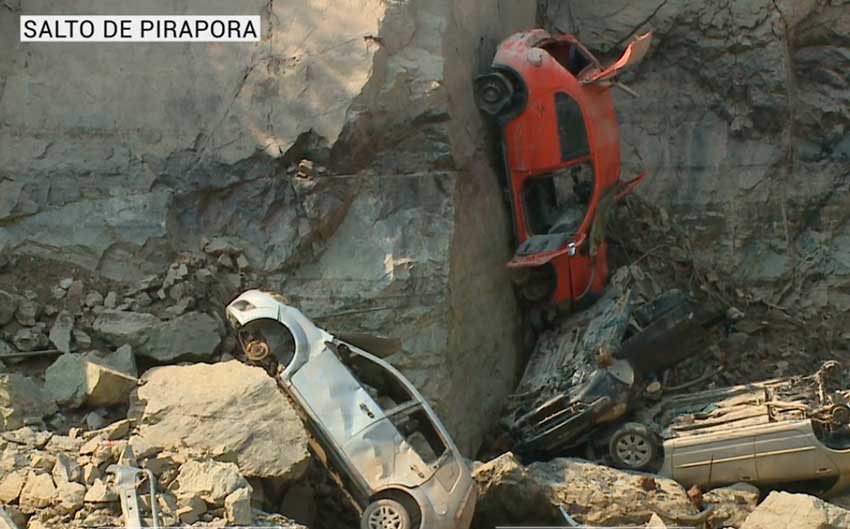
pixel 386 390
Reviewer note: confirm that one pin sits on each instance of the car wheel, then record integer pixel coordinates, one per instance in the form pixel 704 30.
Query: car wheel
pixel 632 447
pixel 385 514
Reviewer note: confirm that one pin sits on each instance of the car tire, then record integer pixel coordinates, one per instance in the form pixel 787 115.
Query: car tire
pixel 633 447
pixel 385 513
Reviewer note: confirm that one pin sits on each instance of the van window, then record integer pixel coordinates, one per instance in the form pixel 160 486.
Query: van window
pixel 417 429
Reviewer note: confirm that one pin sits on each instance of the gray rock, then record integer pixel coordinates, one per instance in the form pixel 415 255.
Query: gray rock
pixel 60 333
pixel 94 299
pixel 111 300
pixel 122 359
pixel 194 335
pixel 66 283
pixel 30 339
pixel 82 339
pixel 66 469
pixel 8 307
pixel 27 312
pixel 73 380
pixel 20 398
pixel 95 420
pixel 174 407
pixel 212 481
pixel 800 511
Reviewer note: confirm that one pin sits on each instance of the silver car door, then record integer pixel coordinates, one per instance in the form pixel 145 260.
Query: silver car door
pixel 790 451
pixel 341 405
pixel 714 459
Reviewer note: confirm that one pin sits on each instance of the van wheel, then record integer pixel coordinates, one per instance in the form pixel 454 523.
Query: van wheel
pixel 385 514
pixel 632 447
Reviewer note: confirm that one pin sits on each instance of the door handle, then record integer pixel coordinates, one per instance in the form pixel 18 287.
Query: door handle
pixel 366 410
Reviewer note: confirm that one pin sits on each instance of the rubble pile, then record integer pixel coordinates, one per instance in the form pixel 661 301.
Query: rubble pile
pixel 88 375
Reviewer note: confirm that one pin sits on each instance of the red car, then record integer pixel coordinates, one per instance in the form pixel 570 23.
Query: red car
pixel 561 151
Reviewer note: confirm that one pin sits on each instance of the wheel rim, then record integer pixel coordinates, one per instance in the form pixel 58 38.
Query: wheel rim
pixel 634 450
pixel 386 517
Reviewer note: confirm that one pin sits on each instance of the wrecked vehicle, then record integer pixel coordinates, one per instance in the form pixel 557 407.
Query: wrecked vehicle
pixel 578 391
pixel 561 152
pixel 372 429
pixel 776 432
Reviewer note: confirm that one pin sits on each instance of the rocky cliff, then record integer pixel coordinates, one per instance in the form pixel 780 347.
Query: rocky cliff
pixel 114 158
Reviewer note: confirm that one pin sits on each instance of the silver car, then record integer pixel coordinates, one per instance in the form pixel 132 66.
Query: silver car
pixel 372 429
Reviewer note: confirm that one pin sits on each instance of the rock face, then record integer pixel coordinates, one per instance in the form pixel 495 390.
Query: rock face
pixel 226 408
pixel 782 510
pixel 399 229
pixel 592 494
pixel 743 125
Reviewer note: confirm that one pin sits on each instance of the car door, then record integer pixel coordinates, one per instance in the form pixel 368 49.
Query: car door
pixel 342 407
pixel 790 451
pixel 714 459
pixel 403 446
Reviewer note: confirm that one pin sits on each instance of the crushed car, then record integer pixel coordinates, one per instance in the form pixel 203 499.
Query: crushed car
pixel 603 362
pixel 790 430
pixel 561 152
pixel 372 429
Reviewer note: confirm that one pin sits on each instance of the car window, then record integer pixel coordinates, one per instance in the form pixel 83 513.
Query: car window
pixel 417 429
pixel 382 385
pixel 557 202
pixel 571 130
pixel 568 55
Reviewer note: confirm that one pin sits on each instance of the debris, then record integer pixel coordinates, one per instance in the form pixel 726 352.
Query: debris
pixel 127 479
pixel 800 511
pixel 27 312
pixel 175 407
pixel 192 509
pixel 29 339
pixel 512 493
pixel 237 507
pixel 26 435
pixel 60 333
pixel 211 480
pixel 732 504
pixel 38 492
pixel 99 492
pixel 11 486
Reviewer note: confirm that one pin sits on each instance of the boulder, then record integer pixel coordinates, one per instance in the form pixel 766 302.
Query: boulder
pixel 212 481
pixel 122 359
pixel 193 335
pixel 30 339
pixel 21 397
pixel 100 492
pixel 732 504
pixel 225 408
pixel 783 510
pixel 38 492
pixel 71 497
pixel 60 333
pixel 592 494
pixel 73 381
pixel 11 485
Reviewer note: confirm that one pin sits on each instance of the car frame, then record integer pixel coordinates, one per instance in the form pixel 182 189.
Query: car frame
pixel 553 103
pixel 396 477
